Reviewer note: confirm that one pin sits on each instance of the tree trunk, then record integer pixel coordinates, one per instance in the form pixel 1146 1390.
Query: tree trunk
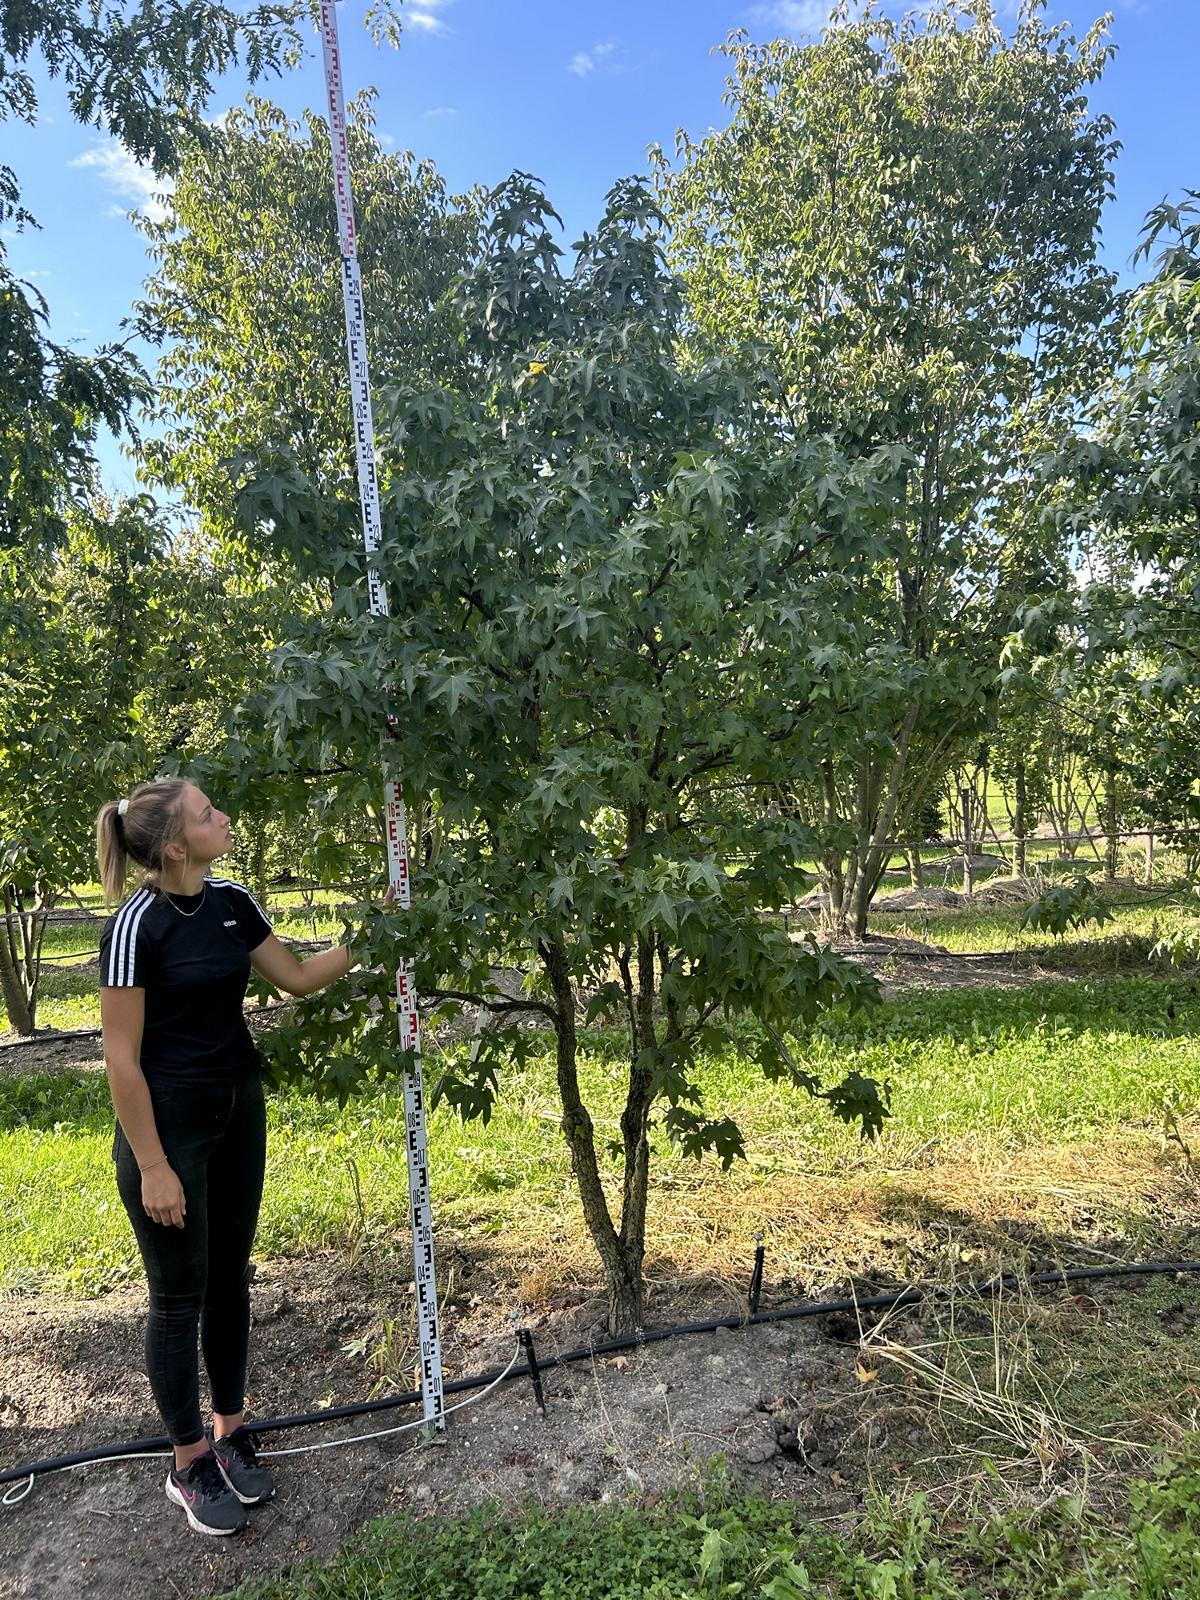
pixel 625 1287
pixel 964 797
pixel 259 867
pixel 16 1002
pixel 1020 806
pixel 626 1295
pixel 916 868
pixel 1149 873
pixel 621 1255
pixel 879 850
pixel 1112 842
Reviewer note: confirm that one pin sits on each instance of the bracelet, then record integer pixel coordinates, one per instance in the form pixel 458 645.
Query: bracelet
pixel 151 1164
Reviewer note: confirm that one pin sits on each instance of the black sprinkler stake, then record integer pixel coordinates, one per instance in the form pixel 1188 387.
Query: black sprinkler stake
pixel 526 1338
pixel 756 1277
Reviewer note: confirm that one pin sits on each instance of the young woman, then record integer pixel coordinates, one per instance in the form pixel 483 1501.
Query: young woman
pixel 190 1142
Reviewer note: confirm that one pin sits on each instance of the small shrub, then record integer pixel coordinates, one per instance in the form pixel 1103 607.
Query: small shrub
pixel 1063 906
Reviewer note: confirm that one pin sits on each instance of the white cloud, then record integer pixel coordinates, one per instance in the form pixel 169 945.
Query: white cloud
pixel 585 62
pixel 128 177
pixel 793 16
pixel 442 111
pixel 424 15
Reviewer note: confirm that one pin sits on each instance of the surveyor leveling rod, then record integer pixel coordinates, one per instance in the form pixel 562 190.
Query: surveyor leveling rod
pixel 397 832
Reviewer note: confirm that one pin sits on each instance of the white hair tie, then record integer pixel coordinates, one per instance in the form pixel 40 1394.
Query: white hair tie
pixel 122 806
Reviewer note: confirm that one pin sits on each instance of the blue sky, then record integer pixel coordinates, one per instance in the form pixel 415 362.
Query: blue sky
pixel 574 93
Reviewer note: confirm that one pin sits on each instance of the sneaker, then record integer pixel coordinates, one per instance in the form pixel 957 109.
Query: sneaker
pixel 201 1489
pixel 243 1471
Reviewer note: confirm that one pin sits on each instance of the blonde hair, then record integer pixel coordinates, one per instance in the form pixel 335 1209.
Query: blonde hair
pixel 152 819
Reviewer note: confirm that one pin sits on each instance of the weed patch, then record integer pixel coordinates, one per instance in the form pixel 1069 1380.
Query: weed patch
pixel 724 1541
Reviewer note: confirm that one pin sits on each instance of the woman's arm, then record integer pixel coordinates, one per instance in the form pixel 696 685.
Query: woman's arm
pixel 122 1017
pixel 276 963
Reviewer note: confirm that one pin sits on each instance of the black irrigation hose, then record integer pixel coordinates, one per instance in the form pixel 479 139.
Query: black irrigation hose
pixel 817 1308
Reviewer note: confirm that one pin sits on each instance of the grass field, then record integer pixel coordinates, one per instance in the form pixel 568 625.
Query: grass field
pixel 68 997
pixel 979 1075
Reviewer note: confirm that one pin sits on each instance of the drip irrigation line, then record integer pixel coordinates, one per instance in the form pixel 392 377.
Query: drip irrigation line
pixel 491 1379
pixel 58 1036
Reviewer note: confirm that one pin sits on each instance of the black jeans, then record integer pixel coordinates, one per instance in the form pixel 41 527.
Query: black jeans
pixel 214 1136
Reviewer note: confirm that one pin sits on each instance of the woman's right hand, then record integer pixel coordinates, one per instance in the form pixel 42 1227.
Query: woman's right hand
pixel 162 1196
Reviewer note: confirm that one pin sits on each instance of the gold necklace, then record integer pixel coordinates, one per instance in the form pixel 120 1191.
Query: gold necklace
pixel 182 913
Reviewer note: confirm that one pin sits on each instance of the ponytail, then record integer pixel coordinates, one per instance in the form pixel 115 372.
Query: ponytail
pixel 137 832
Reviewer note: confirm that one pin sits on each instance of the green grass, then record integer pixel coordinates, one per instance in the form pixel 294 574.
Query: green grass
pixel 995 927
pixel 1044 1065
pixel 69 998
pixel 725 1541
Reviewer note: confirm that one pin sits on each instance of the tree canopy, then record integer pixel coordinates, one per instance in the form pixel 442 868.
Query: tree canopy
pixel 612 608
pixel 143 71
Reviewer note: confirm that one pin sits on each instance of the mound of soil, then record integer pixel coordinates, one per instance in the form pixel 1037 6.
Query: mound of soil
pixel 980 863
pixel 1009 891
pixel 918 900
pixel 781 1402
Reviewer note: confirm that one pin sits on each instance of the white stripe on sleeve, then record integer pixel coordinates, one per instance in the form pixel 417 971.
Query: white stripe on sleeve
pixel 124 938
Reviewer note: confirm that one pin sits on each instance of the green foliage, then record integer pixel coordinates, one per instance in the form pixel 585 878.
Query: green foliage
pixel 95 673
pixel 1063 906
pixel 610 612
pixel 251 229
pixel 1125 484
pixel 1180 948
pixel 143 72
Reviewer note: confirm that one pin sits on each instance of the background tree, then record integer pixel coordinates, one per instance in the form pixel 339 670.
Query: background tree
pixel 92 641
pixel 608 615
pixel 906 215
pixel 1124 486
pixel 246 298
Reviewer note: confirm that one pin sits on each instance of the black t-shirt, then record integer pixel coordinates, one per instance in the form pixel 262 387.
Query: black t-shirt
pixel 191 954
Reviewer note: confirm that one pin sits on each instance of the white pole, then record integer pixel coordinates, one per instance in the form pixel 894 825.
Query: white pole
pixel 397 833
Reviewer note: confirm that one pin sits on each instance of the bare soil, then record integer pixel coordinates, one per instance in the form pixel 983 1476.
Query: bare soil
pixel 793 1407
pixel 782 1403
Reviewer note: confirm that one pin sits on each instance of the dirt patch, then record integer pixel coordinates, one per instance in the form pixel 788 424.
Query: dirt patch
pixel 781 1402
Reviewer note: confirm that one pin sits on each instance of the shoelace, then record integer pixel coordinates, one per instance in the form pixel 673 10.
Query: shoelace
pixel 242 1446
pixel 206 1475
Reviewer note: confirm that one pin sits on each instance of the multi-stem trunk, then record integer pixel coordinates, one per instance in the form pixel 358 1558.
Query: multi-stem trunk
pixel 1112 840
pixel 21 957
pixel 620 1253
pixel 879 848
pixel 16 1001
